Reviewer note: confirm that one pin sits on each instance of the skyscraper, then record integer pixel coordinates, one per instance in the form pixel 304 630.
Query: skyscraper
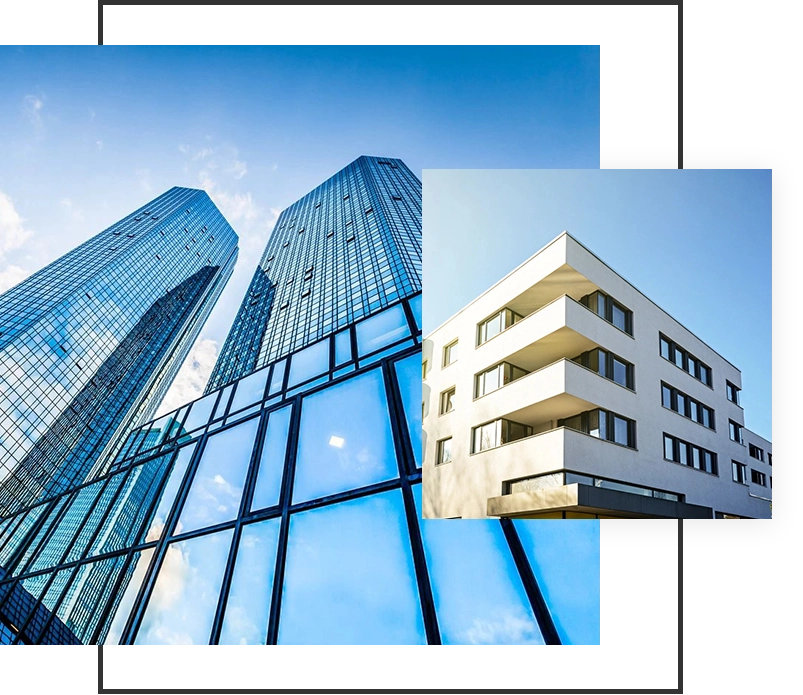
pixel 90 343
pixel 283 506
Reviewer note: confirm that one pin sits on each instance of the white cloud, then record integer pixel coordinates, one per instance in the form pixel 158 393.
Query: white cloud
pixel 99 144
pixel 11 276
pixel 239 169
pixel 192 377
pixel 13 234
pixel 74 213
pixel 32 108
pixel 236 207
pixel 504 628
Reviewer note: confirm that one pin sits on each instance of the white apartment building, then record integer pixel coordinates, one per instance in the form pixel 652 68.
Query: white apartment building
pixel 564 392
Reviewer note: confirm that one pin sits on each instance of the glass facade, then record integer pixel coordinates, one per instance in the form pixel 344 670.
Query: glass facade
pixel 90 343
pixel 347 249
pixel 283 507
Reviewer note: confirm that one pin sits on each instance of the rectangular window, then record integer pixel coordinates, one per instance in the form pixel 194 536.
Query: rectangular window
pixel 604 425
pixel 496 377
pixel 672 352
pixel 739 472
pixel 450 354
pixel 608 365
pixel 447 401
pixel 498 432
pixel 444 451
pixel 758 477
pixel 733 392
pixel 685 405
pixel 497 323
pixel 609 309
pixel 691 455
pixel 756 453
pixel 735 431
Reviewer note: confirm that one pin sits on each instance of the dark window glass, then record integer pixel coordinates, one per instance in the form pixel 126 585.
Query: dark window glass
pixel 679 354
pixel 619 318
pixel 666 396
pixel 669 448
pixel 621 430
pixel 665 348
pixel 619 372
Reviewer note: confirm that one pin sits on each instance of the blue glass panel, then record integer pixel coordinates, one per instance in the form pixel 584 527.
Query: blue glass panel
pixel 343 347
pixel 184 599
pixel 220 408
pixel 390 351
pixel 248 606
pixel 20 531
pixel 169 494
pixel 249 390
pixel 277 377
pixel 200 412
pixel 349 577
pixel 479 596
pixel 381 330
pixel 558 549
pixel 415 305
pixel 271 465
pixel 344 438
pixel 217 486
pixel 408 374
pixel 309 363
pixel 134 576
pixel 93 521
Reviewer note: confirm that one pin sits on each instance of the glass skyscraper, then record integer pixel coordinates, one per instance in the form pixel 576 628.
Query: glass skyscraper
pixel 284 506
pixel 90 343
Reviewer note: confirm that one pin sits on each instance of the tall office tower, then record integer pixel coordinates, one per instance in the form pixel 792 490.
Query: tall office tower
pixel 284 506
pixel 342 252
pixel 90 343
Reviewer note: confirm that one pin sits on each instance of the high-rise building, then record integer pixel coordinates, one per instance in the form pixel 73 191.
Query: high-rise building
pixel 90 343
pixel 563 391
pixel 283 506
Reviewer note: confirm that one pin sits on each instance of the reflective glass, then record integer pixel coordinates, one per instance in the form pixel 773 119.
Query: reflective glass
pixel 248 605
pixel 619 372
pixel 345 439
pixel 277 378
pixel 169 495
pixel 349 577
pixel 408 374
pixel 666 396
pixel 271 464
pixel 620 431
pixel 479 597
pixel 134 576
pixel 249 390
pixel 200 412
pixel 217 486
pixel 309 363
pixel 619 317
pixel 182 605
pixel 19 532
pixel 415 305
pixel 557 550
pixel 343 347
pixel 381 330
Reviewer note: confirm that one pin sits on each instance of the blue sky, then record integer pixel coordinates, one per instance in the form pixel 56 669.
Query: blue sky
pixel 696 242
pixel 88 134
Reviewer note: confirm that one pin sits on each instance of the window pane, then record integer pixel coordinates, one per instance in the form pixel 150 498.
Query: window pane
pixel 134 576
pixel 169 494
pixel 217 486
pixel 184 599
pixel 492 327
pixel 200 412
pixel 381 330
pixel 665 348
pixel 493 378
pixel 594 425
pixel 248 606
pixel 679 357
pixel 666 396
pixel 271 463
pixel 415 305
pixel 695 457
pixel 681 403
pixel 249 390
pixel 308 363
pixel 682 448
pixel 694 412
pixel 668 448
pixel 359 552
pixel 345 439
pixel 619 372
pixel 342 347
pixel 692 366
pixel 620 431
pixel 445 453
pixel 619 317
pixel 410 390
pixel 450 354
pixel 277 378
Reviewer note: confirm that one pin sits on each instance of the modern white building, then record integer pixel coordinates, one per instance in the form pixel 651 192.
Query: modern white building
pixel 563 391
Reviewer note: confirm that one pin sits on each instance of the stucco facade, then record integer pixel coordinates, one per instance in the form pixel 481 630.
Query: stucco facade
pixel 563 391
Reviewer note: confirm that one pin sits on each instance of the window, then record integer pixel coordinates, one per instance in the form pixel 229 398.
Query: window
pixel 604 424
pixel 608 365
pixel 424 370
pixel 733 392
pixel 686 406
pixel 672 352
pixel 497 323
pixel 756 453
pixel 739 472
pixel 609 309
pixel 444 451
pixel 758 477
pixel 769 458
pixel 496 377
pixel 450 354
pixel 447 401
pixel 690 455
pixel 735 431
pixel 497 433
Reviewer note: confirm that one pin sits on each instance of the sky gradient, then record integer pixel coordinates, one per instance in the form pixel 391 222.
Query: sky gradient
pixel 696 242
pixel 88 134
